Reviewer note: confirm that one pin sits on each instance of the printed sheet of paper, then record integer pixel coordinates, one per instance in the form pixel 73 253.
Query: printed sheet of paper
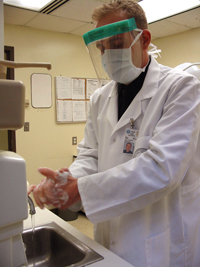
pixel 78 88
pixel 92 85
pixel 79 113
pixel 63 87
pixel 64 111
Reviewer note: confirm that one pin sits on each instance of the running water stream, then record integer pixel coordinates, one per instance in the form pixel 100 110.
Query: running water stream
pixel 33 236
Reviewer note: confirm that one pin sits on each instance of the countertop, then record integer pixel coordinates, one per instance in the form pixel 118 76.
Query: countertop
pixel 46 216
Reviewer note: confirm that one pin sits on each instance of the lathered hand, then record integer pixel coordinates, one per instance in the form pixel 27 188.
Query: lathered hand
pixel 59 189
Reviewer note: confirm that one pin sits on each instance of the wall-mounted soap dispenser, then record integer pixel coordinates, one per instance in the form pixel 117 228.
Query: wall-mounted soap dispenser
pixel 13 182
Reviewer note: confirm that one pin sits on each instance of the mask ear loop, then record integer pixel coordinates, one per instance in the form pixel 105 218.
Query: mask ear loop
pixel 154 51
pixel 137 37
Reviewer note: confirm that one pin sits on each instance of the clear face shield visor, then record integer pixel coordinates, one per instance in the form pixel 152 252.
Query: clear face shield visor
pixel 109 47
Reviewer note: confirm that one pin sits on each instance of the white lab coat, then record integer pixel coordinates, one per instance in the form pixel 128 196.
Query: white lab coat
pixel 146 207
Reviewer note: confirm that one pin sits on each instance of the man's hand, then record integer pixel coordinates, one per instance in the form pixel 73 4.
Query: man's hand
pixel 51 192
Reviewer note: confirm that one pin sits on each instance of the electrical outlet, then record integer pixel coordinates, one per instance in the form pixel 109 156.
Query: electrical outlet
pixel 26 127
pixel 74 140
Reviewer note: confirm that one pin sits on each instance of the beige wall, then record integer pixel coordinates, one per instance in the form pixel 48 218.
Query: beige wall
pixel 179 48
pixel 48 143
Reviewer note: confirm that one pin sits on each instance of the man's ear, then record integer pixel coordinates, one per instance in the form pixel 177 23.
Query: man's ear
pixel 146 39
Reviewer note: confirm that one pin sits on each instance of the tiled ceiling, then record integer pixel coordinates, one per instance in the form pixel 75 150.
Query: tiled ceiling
pixel 74 17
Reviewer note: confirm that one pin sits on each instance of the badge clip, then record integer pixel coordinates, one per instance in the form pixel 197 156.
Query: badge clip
pixel 132 122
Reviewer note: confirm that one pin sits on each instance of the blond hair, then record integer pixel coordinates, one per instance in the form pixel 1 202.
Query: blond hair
pixel 131 8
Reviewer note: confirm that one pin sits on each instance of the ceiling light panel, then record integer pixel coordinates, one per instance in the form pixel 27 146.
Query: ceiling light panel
pixel 35 5
pixel 156 9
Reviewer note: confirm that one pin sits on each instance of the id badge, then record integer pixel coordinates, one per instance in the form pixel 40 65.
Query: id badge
pixel 131 136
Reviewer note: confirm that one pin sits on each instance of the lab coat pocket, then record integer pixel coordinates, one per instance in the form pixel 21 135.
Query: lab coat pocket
pixel 141 145
pixel 157 250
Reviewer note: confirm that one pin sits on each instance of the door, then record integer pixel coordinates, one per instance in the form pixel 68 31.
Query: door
pixel 7 138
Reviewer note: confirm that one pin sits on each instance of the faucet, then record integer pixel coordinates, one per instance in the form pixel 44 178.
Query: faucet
pixel 31 205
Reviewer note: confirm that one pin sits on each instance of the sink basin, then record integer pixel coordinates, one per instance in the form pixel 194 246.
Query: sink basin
pixel 50 245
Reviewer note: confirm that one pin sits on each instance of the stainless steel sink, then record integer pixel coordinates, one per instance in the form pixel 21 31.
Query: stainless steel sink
pixel 50 245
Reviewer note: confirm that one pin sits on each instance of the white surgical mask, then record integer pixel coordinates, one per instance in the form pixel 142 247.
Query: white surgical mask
pixel 118 64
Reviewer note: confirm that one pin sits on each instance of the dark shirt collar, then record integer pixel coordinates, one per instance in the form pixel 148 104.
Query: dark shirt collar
pixel 126 93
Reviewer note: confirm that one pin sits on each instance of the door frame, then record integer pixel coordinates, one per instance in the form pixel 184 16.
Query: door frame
pixel 9 52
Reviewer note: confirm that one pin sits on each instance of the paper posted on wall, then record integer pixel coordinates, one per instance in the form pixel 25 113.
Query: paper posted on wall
pixel 63 87
pixel 71 111
pixel 64 111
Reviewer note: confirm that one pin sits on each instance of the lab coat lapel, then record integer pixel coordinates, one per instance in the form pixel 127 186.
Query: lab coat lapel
pixel 112 114
pixel 150 85
pixel 133 111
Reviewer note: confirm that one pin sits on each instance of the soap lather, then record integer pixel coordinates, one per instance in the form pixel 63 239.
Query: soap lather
pixel 62 180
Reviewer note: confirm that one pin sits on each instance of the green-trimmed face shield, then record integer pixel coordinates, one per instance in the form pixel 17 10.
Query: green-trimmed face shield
pixel 110 46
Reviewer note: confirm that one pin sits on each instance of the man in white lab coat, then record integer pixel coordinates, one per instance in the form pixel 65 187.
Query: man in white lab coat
pixel 145 206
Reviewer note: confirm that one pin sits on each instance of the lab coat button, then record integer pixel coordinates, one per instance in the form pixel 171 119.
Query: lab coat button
pixel 114 140
pixel 113 242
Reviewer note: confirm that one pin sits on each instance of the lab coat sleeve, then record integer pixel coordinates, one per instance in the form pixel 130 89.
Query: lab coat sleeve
pixel 155 173
pixel 87 160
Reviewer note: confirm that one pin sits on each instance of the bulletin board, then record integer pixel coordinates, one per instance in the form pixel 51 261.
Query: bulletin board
pixel 72 97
